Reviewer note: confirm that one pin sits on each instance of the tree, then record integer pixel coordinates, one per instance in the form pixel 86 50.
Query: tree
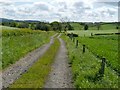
pixel 13 24
pixel 66 22
pixel 86 27
pixel 32 26
pixel 48 27
pixel 5 23
pixel 23 25
pixel 56 26
pixel 117 25
pixel 42 26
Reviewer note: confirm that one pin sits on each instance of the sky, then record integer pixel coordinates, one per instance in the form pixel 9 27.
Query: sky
pixel 60 10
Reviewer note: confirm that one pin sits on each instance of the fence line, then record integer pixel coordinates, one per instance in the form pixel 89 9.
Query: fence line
pixel 106 63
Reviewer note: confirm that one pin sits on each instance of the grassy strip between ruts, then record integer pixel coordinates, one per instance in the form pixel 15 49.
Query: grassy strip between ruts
pixel 35 77
pixel 85 69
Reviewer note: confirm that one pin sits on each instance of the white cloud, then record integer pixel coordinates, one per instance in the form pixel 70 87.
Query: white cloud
pixel 42 6
pixel 77 10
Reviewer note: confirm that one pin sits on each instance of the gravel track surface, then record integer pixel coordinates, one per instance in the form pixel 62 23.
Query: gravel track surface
pixel 13 72
pixel 60 76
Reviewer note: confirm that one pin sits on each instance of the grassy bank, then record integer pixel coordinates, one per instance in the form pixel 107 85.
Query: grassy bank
pixel 35 77
pixel 85 68
pixel 17 43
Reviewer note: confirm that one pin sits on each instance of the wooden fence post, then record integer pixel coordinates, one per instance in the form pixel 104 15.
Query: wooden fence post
pixel 71 36
pixel 102 69
pixel 83 48
pixel 73 39
pixel 76 43
pixel 100 74
pixel 91 34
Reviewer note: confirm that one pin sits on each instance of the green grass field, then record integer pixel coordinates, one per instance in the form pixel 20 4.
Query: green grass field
pixel 85 66
pixel 104 46
pixel 76 26
pixel 8 28
pixel 108 26
pixel 17 43
pixel 35 77
pixel 104 26
pixel 88 32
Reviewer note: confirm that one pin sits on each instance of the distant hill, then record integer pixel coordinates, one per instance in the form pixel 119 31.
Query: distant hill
pixel 11 20
pixel 5 20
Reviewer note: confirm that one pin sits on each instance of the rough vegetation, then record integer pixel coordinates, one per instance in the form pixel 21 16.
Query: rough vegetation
pixel 17 43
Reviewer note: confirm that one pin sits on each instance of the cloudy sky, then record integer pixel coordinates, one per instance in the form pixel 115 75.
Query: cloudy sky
pixel 55 10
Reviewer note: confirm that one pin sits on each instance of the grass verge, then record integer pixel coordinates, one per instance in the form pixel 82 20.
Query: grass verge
pixel 35 77
pixel 17 43
pixel 85 68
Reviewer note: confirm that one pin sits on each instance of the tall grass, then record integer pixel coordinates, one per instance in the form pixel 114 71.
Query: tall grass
pixel 17 43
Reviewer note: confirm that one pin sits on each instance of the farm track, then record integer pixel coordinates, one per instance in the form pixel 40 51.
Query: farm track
pixel 60 75
pixel 10 74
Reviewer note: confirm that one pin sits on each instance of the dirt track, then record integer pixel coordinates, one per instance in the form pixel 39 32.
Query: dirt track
pixel 60 76
pixel 16 70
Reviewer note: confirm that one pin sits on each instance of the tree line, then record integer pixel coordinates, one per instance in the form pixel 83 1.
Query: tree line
pixel 45 26
pixel 55 26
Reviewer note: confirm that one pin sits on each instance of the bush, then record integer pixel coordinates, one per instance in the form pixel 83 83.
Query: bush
pixel 117 27
pixel 86 27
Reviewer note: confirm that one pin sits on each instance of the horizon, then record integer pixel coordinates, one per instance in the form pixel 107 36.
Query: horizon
pixel 55 10
pixel 59 21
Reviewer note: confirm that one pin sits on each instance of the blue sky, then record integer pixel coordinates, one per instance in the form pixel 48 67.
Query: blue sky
pixel 55 10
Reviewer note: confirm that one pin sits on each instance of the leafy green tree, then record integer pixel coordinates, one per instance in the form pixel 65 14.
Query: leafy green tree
pixel 117 25
pixel 32 26
pixel 23 25
pixel 56 26
pixel 42 26
pixel 13 24
pixel 86 27
pixel 5 23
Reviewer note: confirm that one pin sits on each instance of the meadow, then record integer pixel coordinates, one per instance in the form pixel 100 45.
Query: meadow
pixel 88 32
pixel 18 42
pixel 103 26
pixel 86 66
pixel 76 26
pixel 8 28
pixel 104 46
